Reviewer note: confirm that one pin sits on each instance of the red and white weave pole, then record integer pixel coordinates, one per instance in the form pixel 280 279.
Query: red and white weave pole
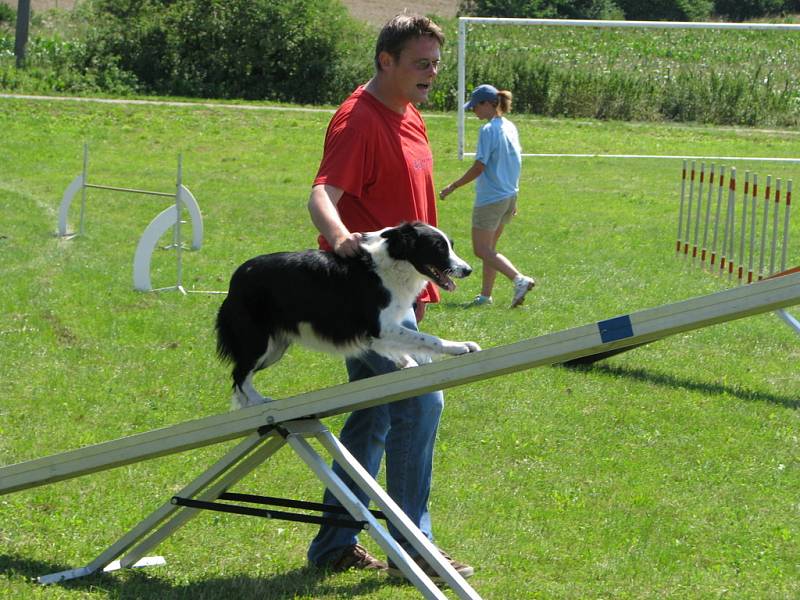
pixel 708 216
pixel 732 217
pixel 775 218
pixel 680 210
pixel 727 233
pixel 731 251
pixel 786 214
pixel 698 209
pixel 743 228
pixel 762 258
pixel 751 254
pixel 689 213
pixel 716 216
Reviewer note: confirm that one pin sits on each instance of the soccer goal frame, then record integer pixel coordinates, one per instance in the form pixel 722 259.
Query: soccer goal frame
pixel 465 22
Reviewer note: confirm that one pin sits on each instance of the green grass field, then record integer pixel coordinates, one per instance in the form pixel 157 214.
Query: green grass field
pixel 667 472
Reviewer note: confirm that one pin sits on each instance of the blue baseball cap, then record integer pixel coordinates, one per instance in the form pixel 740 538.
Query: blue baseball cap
pixel 482 93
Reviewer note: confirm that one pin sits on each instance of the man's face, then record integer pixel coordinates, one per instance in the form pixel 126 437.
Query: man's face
pixel 413 74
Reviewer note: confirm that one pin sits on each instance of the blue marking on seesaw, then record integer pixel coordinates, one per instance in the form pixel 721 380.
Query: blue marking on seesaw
pixel 614 329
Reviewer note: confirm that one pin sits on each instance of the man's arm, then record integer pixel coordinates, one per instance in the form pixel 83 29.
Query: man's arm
pixel 322 207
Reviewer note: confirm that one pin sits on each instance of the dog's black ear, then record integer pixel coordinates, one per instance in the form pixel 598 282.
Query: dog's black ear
pixel 400 240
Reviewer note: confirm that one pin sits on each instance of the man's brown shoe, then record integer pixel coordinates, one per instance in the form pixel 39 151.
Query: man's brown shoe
pixel 355 557
pixel 463 569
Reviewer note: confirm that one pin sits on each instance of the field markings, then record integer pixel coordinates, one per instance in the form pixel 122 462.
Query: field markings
pixel 182 104
pixel 311 109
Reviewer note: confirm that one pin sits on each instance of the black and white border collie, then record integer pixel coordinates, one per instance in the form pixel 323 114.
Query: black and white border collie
pixel 334 304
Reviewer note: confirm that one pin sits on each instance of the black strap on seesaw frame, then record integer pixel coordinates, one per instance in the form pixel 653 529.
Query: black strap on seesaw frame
pixel 276 514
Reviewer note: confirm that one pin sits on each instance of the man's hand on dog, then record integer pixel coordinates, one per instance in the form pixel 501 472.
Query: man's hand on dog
pixel 349 245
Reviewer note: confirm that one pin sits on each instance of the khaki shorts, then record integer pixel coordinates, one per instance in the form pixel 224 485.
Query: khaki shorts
pixel 491 216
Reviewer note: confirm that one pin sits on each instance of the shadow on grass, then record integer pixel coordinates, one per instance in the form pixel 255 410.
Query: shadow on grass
pixel 697 386
pixel 145 583
pixel 590 363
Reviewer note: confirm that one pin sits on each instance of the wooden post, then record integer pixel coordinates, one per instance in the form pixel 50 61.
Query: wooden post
pixel 23 23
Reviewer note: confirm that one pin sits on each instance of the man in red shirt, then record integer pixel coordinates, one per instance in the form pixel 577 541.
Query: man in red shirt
pixel 377 171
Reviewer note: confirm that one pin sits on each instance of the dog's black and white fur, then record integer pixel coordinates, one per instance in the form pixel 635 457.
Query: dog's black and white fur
pixel 334 304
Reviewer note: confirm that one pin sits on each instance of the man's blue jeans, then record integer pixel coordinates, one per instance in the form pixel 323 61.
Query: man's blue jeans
pixel 406 431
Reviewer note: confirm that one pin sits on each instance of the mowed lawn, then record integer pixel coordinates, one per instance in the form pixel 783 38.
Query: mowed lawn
pixel 671 471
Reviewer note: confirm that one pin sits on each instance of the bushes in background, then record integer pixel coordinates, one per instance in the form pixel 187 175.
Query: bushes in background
pixel 7 14
pixel 302 51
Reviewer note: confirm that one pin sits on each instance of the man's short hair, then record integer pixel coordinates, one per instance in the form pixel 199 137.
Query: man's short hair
pixel 402 28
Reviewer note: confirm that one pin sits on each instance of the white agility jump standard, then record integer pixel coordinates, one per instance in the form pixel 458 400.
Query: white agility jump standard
pixel 266 428
pixel 171 217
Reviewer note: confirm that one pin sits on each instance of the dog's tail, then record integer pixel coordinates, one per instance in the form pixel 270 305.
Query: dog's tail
pixel 225 332
pixel 229 343
pixel 239 339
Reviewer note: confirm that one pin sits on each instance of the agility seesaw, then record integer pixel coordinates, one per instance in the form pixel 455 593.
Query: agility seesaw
pixel 590 359
pixel 269 427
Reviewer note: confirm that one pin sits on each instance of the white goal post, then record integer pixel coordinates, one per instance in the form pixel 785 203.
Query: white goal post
pixel 464 22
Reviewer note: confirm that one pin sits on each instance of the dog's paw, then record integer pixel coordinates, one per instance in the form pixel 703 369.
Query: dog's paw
pixel 459 348
pixel 239 400
pixel 469 347
pixel 406 362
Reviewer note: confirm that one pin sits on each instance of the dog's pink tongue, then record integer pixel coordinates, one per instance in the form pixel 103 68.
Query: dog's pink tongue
pixel 449 284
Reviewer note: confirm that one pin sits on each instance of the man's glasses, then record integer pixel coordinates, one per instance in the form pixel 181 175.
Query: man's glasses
pixel 423 64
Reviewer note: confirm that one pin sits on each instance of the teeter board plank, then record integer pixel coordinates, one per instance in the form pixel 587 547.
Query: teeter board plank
pixel 554 348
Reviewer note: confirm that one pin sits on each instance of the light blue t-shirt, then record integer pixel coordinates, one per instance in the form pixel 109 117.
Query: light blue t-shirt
pixel 501 154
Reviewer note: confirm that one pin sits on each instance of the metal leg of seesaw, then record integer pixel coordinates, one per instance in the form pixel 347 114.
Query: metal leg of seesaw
pixel 789 319
pixel 242 460
pixel 297 432
pixel 225 473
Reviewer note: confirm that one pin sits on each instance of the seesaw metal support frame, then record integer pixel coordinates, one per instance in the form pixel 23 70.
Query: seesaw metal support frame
pixel 249 455
pixel 268 427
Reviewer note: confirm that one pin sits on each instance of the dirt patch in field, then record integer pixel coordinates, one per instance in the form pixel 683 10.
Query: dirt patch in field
pixel 40 5
pixel 376 12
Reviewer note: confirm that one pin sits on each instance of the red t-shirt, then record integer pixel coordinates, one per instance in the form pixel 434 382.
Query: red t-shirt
pixel 383 163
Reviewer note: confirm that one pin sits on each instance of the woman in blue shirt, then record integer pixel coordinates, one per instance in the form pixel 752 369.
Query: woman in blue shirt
pixel 498 160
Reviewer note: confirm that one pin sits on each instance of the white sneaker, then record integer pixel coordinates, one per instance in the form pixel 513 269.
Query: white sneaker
pixel 522 285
